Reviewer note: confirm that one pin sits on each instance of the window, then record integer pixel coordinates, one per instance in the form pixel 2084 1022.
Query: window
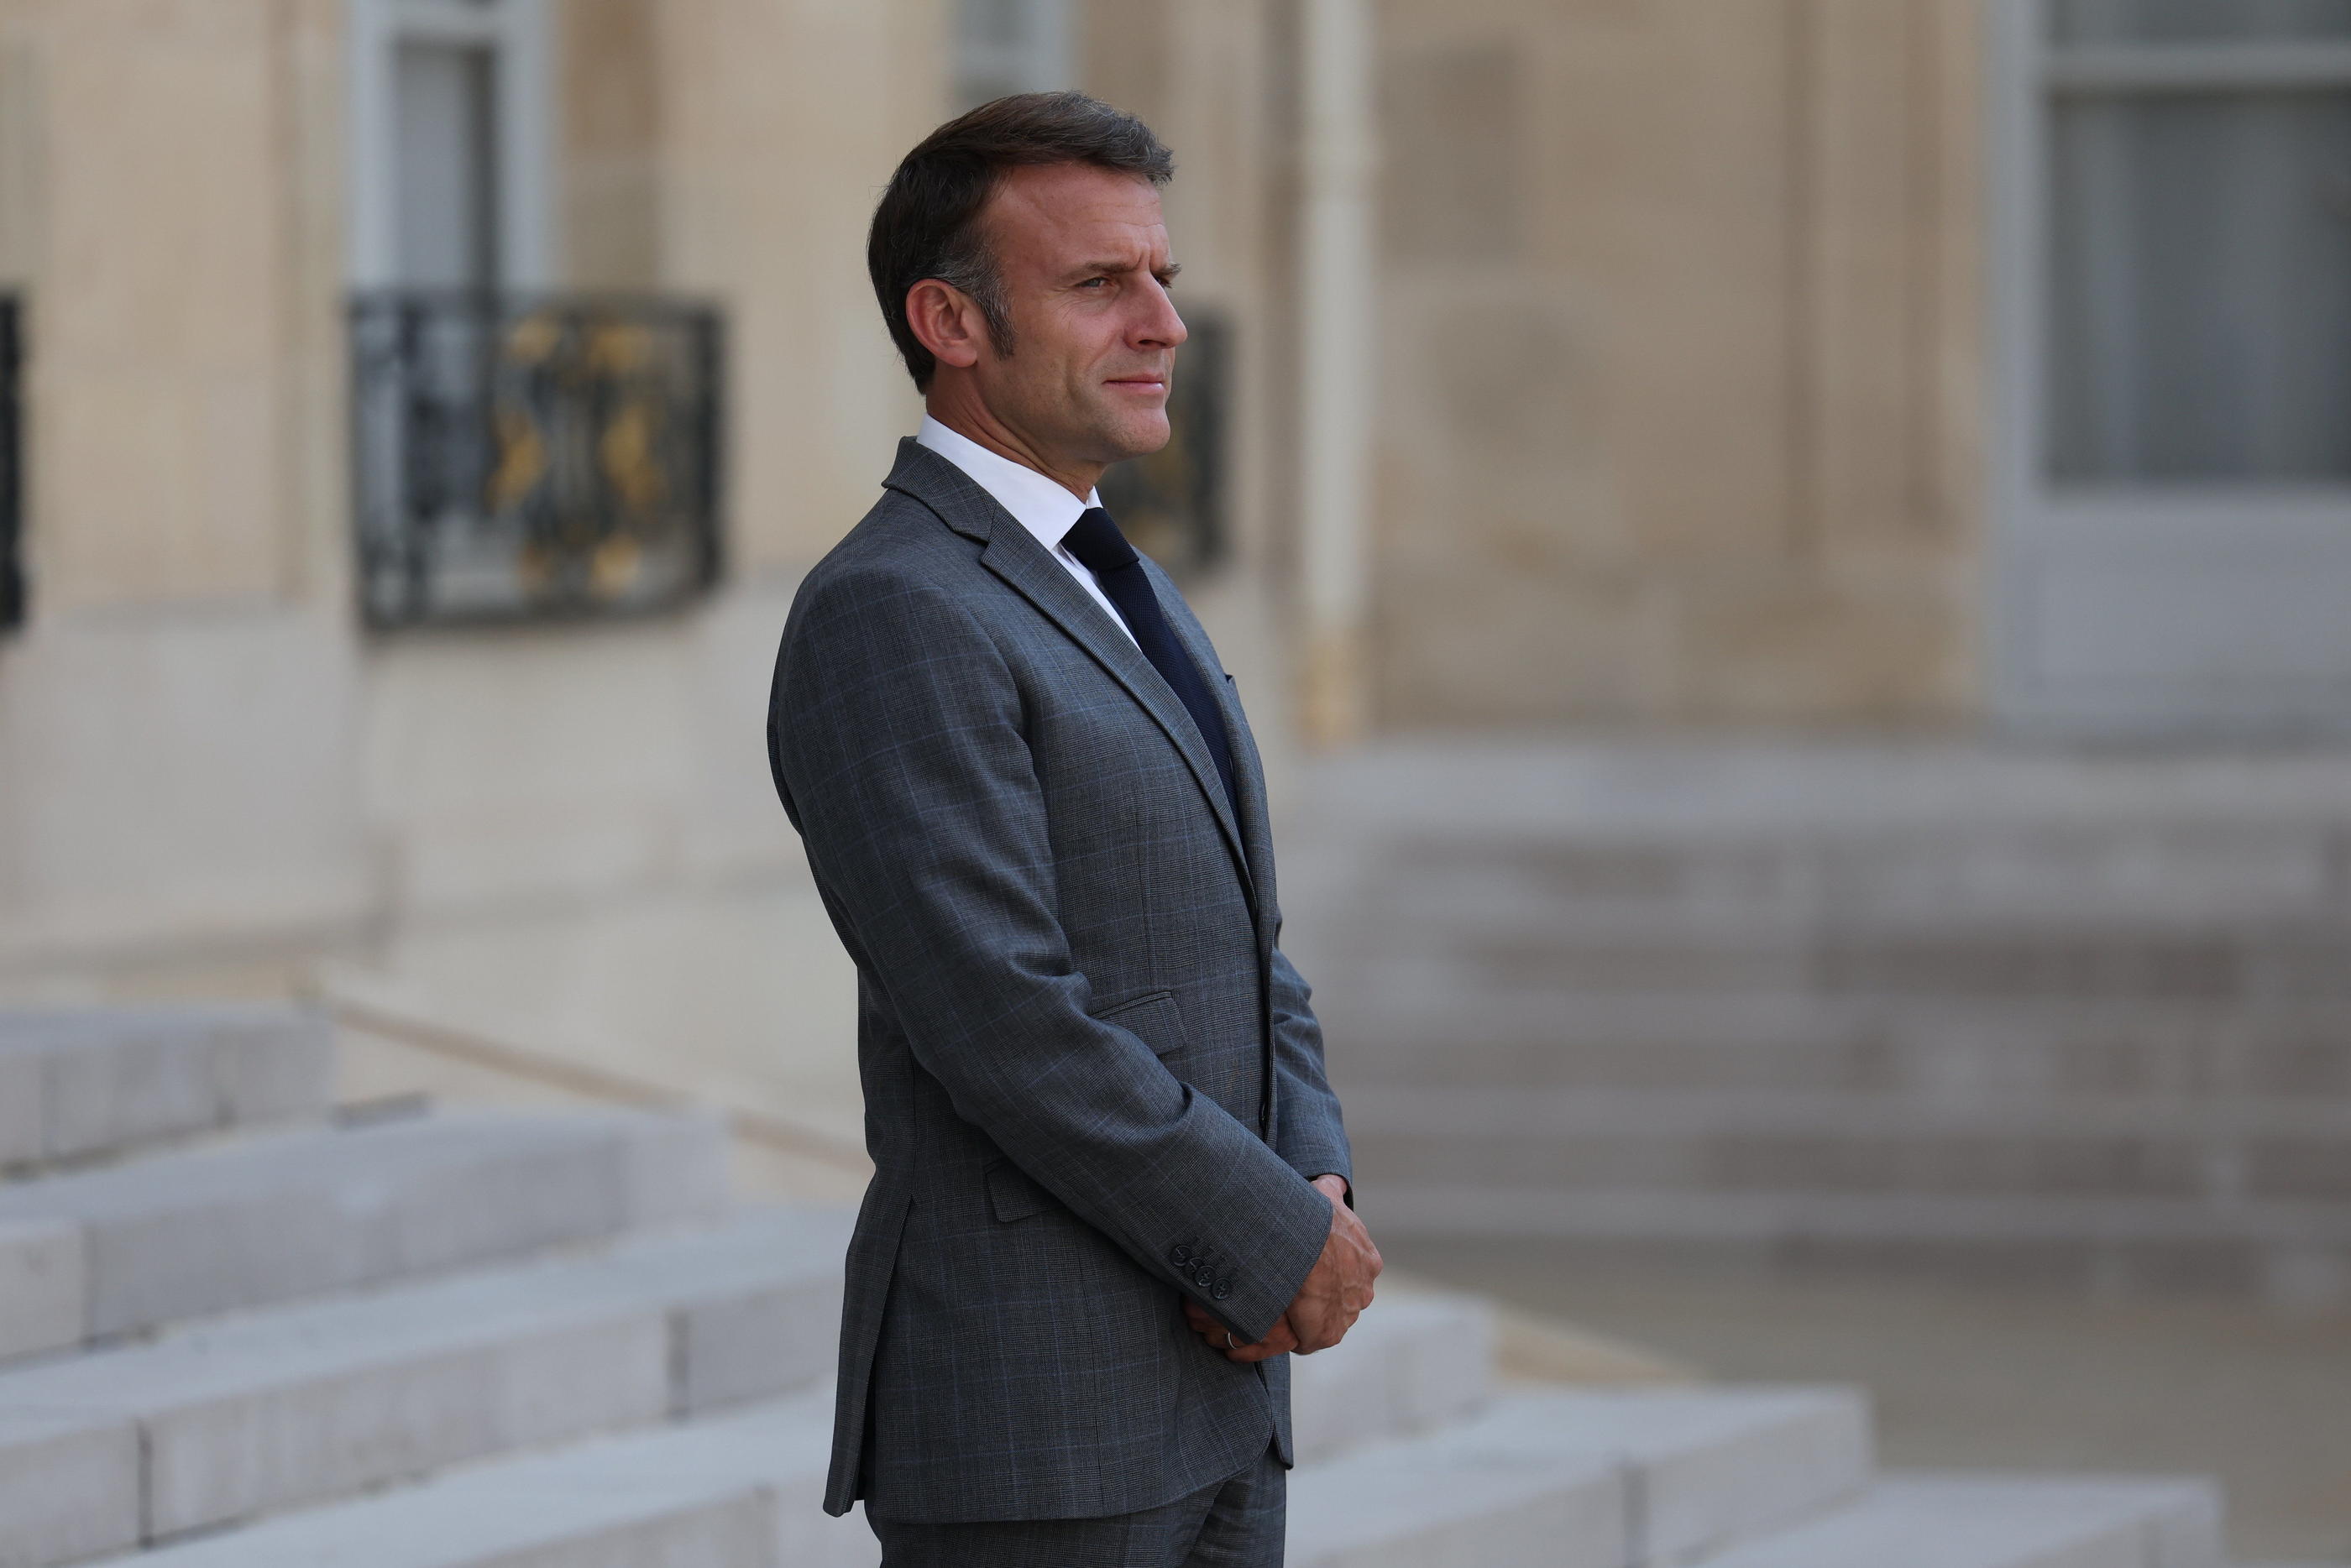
pixel 2172 289
pixel 2200 207
pixel 450 118
pixel 444 160
pixel 517 453
pixel 1012 45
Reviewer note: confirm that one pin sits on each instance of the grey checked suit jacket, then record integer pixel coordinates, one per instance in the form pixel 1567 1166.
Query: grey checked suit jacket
pixel 1093 1085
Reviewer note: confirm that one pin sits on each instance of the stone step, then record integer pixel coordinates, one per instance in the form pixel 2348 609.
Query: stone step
pixel 1736 1478
pixel 96 1081
pixel 1532 962
pixel 1957 1521
pixel 744 1491
pixel 1583 1480
pixel 1777 1041
pixel 298 1405
pixel 2297 1254
pixel 70 1485
pixel 42 1304
pixel 1602 1140
pixel 2077 871
pixel 298 1213
pixel 1416 1362
pixel 1585 1111
pixel 1413 1363
pixel 1620 802
pixel 1631 789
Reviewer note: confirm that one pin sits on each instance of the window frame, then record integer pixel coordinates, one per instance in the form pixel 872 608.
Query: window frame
pixel 2039 526
pixel 518 34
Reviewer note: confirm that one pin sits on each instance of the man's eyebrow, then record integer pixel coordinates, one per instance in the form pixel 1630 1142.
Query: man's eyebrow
pixel 1096 269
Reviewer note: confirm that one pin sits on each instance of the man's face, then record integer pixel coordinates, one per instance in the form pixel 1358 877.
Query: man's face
pixel 1083 256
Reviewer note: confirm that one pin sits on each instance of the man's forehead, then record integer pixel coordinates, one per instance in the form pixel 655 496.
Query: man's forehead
pixel 1047 208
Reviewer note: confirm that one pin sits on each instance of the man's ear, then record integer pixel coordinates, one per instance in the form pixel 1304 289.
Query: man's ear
pixel 946 321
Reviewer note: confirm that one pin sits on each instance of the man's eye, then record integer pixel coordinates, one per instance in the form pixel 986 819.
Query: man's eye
pixel 1091 281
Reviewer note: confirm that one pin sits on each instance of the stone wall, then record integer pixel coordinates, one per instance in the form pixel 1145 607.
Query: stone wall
pixel 728 151
pixel 201 753
pixel 1681 343
pixel 178 723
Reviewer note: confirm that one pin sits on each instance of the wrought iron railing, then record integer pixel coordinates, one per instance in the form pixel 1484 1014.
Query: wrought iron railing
pixel 12 467
pixel 1171 502
pixel 519 457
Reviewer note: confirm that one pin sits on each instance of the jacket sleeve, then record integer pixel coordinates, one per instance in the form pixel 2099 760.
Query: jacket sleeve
pixel 898 739
pixel 1309 1132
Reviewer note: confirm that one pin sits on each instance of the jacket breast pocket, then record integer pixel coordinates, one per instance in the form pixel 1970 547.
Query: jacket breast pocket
pixel 1152 1017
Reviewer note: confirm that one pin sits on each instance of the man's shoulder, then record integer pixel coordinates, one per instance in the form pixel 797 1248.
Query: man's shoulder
pixel 901 564
pixel 899 544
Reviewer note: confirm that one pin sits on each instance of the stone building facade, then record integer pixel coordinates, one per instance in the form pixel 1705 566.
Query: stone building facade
pixel 1684 325
pixel 202 750
pixel 1956 365
pixel 1702 363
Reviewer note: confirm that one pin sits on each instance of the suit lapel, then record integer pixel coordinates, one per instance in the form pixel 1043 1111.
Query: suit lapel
pixel 1013 554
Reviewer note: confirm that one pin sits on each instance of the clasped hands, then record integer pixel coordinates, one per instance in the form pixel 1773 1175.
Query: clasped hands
pixel 1336 1291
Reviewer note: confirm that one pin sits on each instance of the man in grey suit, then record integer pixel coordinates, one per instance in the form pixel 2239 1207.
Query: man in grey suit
pixel 1111 1184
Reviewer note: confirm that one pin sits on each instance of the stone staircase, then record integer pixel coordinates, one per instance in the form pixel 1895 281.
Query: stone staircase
pixel 238 1331
pixel 2082 1017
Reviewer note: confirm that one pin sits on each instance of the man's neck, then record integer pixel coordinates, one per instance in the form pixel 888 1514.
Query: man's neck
pixel 969 419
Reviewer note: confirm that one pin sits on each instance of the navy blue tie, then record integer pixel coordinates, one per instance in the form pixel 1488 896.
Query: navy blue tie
pixel 1103 550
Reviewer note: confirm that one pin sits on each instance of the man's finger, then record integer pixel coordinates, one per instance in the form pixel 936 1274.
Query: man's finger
pixel 1207 1328
pixel 1328 1333
pixel 1281 1342
pixel 1203 1324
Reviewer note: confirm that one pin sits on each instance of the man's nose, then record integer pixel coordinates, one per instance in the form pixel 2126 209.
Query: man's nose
pixel 1158 325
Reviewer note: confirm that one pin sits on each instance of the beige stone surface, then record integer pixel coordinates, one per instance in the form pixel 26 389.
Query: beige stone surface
pixel 21 129
pixel 780 127
pixel 173 267
pixel 179 783
pixel 1790 645
pixel 1680 319
pixel 609 134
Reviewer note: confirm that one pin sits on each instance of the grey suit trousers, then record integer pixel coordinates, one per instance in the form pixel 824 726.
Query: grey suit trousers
pixel 1236 1523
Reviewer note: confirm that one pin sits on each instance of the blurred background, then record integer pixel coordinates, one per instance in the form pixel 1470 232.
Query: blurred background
pixel 1790 558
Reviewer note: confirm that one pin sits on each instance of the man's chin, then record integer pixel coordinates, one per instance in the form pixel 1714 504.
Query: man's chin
pixel 1135 436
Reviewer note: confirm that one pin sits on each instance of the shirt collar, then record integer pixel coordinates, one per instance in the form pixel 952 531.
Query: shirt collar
pixel 1037 502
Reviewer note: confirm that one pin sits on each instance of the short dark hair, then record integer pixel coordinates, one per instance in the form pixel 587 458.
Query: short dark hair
pixel 927 225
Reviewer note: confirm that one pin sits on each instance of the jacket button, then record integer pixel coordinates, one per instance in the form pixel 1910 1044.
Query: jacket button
pixel 1223 1291
pixel 1179 1256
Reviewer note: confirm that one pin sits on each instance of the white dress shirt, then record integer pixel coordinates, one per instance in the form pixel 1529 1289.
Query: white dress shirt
pixel 1037 503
